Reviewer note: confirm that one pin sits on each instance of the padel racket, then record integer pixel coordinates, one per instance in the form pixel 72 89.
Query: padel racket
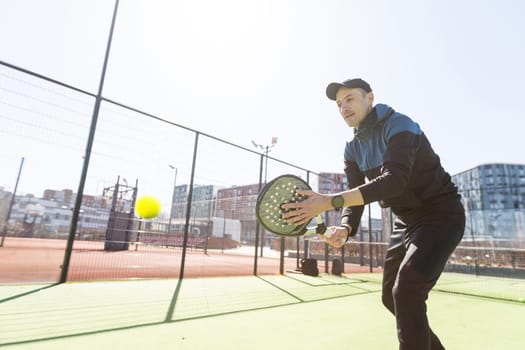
pixel 269 212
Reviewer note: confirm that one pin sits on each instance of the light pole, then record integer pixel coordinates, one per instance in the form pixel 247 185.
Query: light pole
pixel 266 150
pixel 13 197
pixel 172 209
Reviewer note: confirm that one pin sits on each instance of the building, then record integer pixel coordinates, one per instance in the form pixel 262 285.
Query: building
pixel 202 201
pixel 210 202
pixel 494 200
pixel 51 217
pixel 239 203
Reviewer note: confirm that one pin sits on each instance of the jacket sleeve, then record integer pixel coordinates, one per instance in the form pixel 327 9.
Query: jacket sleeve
pixel 396 170
pixel 352 215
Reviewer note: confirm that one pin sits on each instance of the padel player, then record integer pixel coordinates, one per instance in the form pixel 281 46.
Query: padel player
pixel 404 173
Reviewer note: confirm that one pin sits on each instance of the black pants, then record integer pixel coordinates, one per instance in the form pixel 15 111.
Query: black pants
pixel 414 261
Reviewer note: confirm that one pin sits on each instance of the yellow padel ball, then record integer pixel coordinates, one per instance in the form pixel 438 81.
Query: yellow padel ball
pixel 147 207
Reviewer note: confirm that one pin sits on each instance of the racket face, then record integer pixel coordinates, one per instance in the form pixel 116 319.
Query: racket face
pixel 268 209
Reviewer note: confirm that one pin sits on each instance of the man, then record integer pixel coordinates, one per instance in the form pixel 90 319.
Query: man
pixel 404 173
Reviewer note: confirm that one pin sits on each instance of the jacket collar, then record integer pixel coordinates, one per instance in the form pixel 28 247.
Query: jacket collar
pixel 377 116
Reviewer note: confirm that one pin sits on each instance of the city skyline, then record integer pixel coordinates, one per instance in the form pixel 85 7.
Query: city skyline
pixel 493 188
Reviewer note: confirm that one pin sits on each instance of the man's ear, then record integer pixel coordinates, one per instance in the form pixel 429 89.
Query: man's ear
pixel 370 98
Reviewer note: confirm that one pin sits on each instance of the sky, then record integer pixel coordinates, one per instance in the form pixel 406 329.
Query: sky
pixel 246 70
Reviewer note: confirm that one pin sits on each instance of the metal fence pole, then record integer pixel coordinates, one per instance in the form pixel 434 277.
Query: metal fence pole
pixel 4 232
pixel 87 156
pixel 257 225
pixel 188 208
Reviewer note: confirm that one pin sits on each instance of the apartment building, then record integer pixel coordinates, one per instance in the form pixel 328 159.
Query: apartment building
pixel 494 199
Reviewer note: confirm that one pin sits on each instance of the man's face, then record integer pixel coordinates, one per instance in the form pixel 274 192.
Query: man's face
pixel 354 105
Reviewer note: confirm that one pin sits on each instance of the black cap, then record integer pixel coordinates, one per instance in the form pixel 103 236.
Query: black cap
pixel 331 89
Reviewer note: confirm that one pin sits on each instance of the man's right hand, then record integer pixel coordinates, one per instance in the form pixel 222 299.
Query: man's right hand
pixel 337 236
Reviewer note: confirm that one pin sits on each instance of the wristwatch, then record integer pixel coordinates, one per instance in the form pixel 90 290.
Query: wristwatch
pixel 338 202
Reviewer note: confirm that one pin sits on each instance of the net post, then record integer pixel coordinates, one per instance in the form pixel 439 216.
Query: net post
pixel 343 258
pixel 281 256
pixel 326 257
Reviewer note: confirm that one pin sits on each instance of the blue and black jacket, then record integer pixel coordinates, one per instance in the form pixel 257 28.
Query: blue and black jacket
pixel 404 172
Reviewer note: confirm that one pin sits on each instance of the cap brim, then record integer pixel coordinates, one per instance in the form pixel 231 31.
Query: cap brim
pixel 331 90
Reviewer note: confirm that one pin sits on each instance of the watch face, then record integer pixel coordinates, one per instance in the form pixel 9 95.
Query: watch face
pixel 338 202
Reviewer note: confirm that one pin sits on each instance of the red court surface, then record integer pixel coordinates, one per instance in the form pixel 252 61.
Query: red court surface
pixel 39 260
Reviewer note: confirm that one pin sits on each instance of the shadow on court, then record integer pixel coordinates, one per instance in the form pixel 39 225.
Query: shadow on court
pixel 291 311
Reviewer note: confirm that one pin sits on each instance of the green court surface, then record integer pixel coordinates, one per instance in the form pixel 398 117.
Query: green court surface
pixel 265 312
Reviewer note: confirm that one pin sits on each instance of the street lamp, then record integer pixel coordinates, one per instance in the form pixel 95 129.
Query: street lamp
pixel 266 150
pixel 172 209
